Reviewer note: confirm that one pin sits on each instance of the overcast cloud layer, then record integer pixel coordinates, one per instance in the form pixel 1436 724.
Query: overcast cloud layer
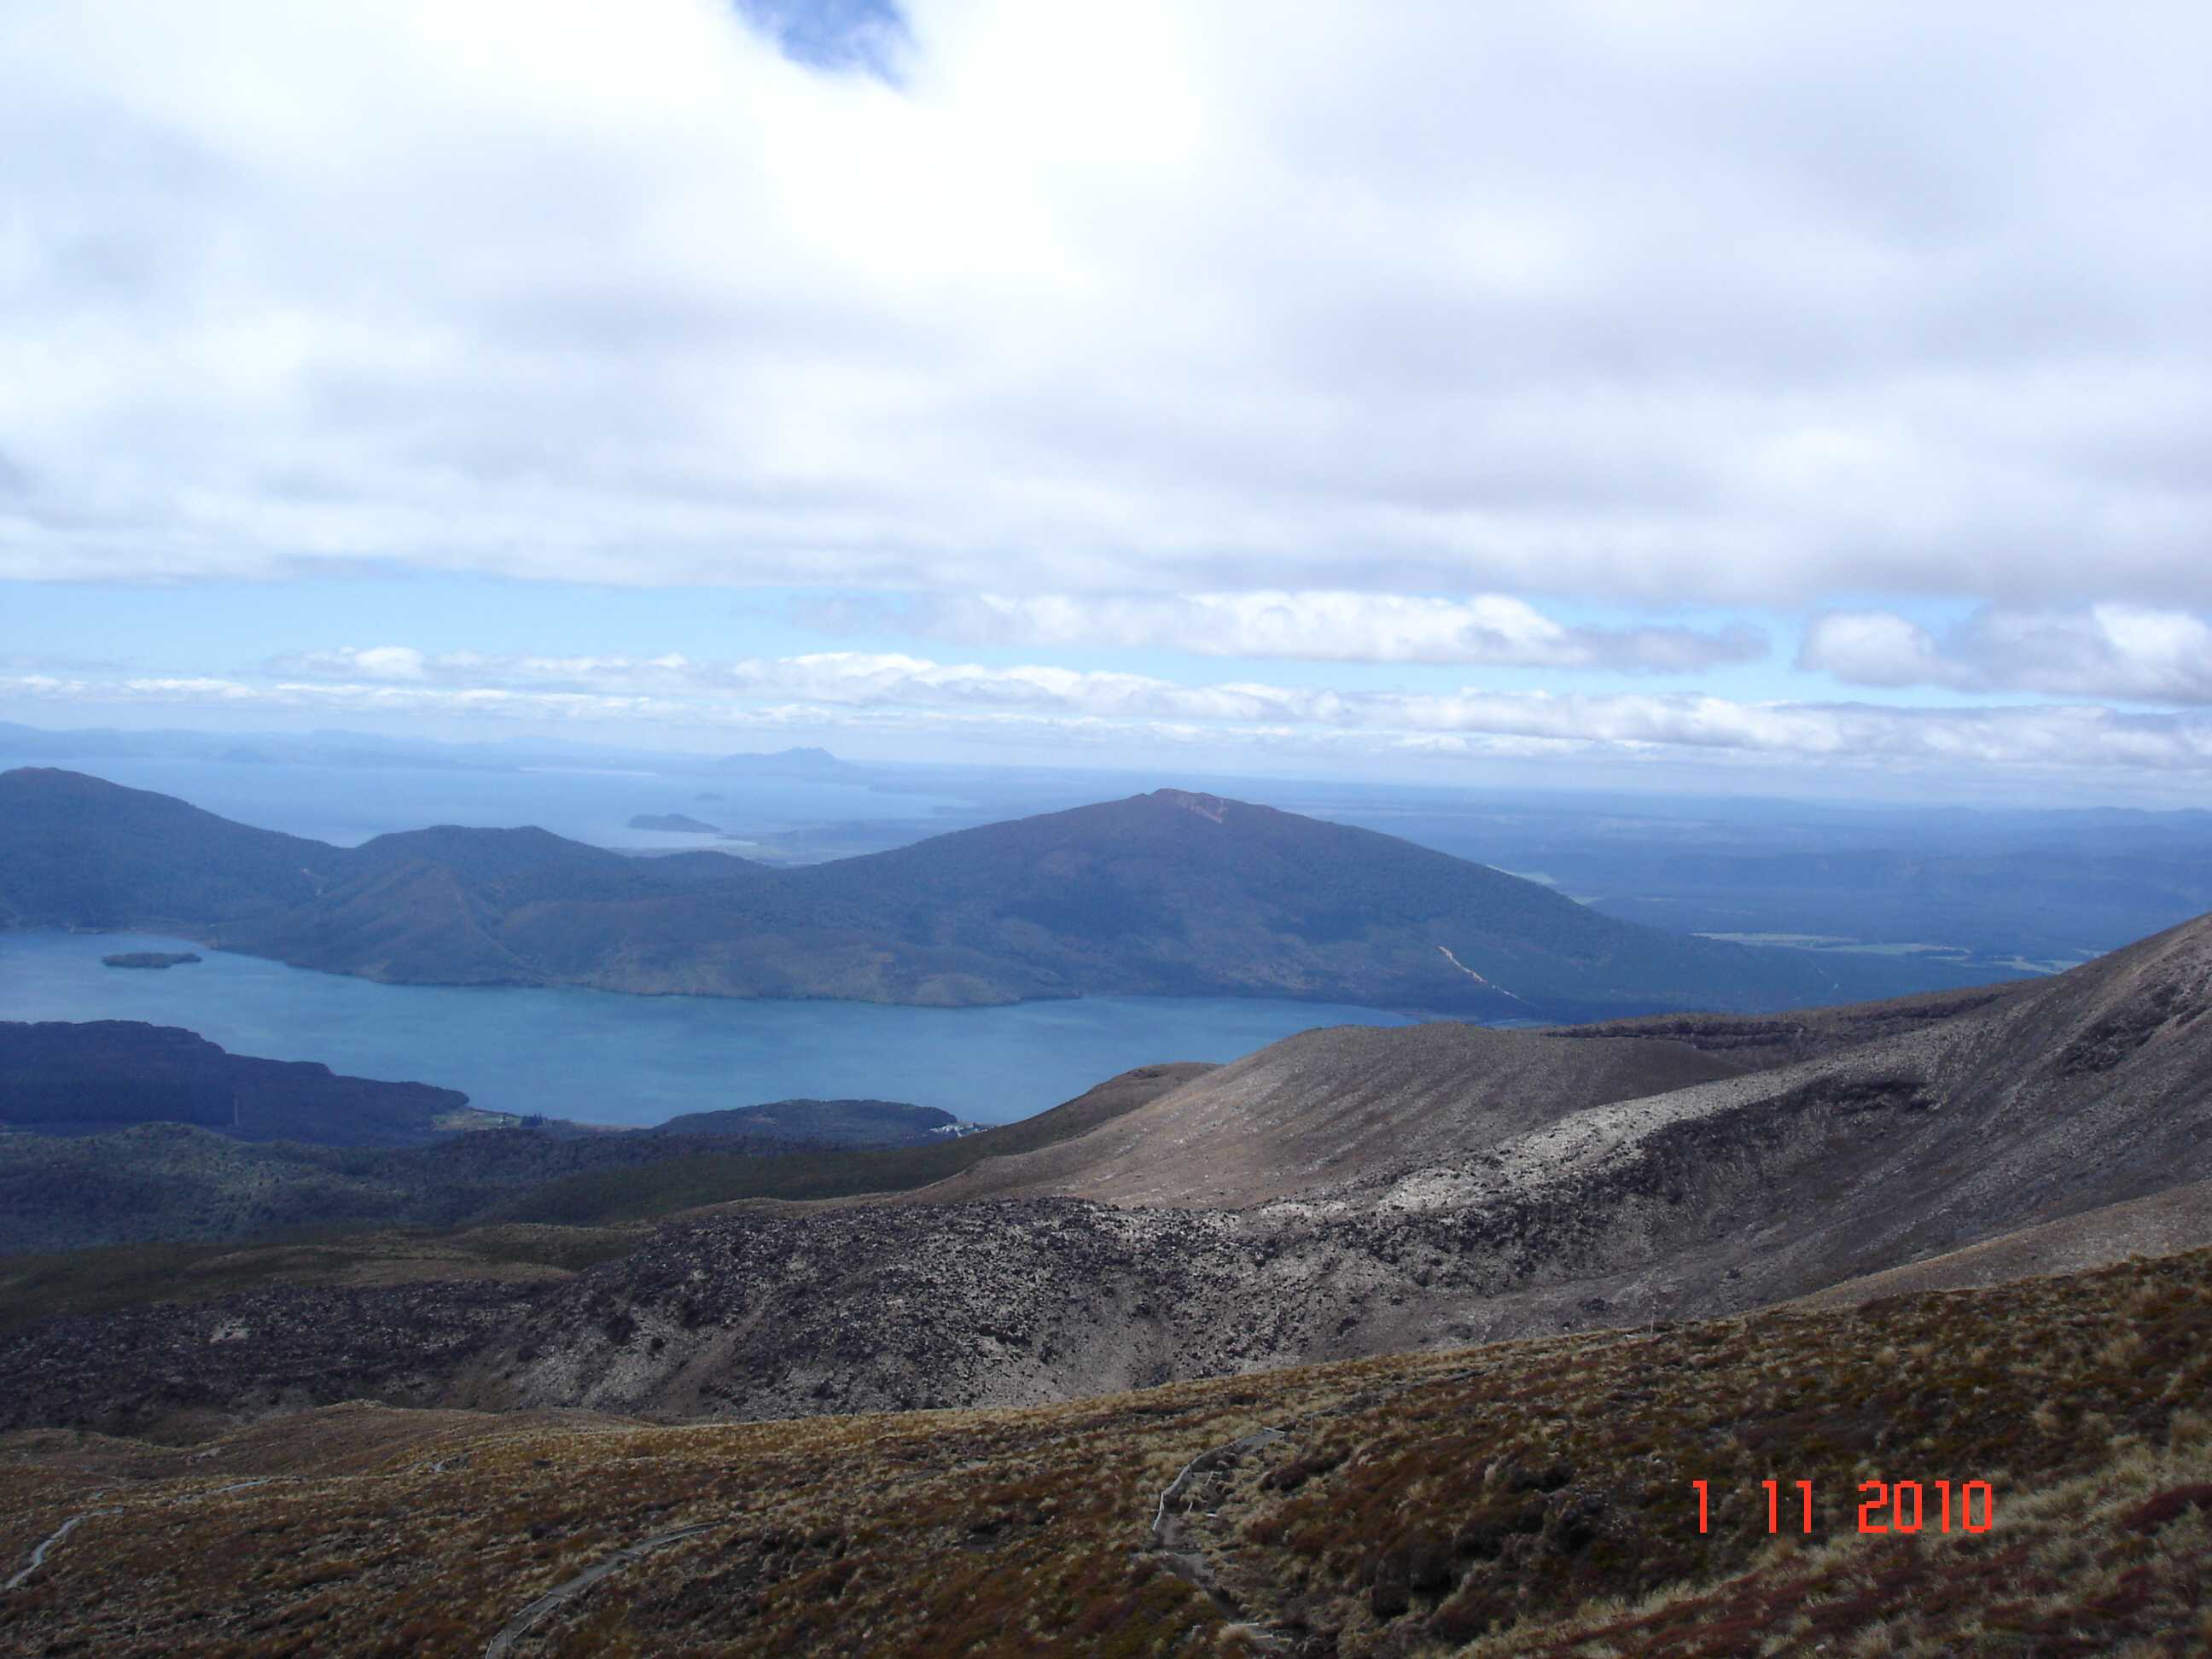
pixel 1401 336
pixel 1722 301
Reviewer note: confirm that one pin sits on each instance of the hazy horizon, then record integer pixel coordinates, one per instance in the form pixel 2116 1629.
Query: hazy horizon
pixel 1683 784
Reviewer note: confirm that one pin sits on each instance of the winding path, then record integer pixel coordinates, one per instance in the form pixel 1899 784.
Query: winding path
pixel 518 1626
pixel 1164 1538
pixel 39 1555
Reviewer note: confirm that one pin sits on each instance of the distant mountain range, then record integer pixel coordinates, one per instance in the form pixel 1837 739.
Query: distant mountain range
pixel 1171 893
pixel 373 749
pixel 818 764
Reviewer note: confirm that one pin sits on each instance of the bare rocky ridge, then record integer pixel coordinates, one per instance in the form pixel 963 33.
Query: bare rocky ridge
pixel 2164 1224
pixel 1758 1041
pixel 2057 1095
pixel 1342 1103
pixel 2076 1094
pixel 182 1373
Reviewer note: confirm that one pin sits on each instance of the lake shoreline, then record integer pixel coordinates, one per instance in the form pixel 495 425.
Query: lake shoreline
pixel 626 1060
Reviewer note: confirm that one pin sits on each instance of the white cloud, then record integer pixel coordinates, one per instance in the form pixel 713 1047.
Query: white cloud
pixel 859 680
pixel 1658 303
pixel 1876 648
pixel 383 662
pixel 1490 628
pixel 2130 653
pixel 1043 706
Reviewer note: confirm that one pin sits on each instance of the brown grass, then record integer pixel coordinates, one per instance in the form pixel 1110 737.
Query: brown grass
pixel 1532 1497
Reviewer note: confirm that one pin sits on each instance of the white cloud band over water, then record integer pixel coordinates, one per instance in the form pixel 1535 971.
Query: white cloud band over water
pixel 1492 629
pixel 873 693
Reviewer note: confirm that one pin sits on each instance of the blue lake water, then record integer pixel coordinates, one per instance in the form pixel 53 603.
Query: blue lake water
pixel 609 1059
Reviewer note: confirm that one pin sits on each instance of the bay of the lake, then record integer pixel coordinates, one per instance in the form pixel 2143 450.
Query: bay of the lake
pixel 605 1058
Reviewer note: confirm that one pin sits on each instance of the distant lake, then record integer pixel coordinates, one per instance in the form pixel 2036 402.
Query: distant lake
pixel 605 1058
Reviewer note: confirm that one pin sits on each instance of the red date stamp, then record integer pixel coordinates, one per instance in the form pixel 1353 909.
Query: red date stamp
pixel 1886 1506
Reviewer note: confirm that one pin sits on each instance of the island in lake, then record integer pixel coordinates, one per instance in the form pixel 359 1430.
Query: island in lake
pixel 149 959
pixel 674 823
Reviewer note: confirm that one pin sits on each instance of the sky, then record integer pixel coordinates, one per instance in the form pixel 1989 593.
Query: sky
pixel 1797 399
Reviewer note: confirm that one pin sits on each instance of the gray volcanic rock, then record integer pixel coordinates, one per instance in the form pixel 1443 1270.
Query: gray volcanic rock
pixel 1758 1041
pixel 2179 1219
pixel 1338 1104
pixel 773 1314
pixel 2069 1095
pixel 194 1370
pixel 2080 1092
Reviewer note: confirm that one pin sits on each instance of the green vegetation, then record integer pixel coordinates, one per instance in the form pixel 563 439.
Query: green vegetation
pixel 290 1214
pixel 1167 894
pixel 649 1190
pixel 34 1287
pixel 166 1181
pixel 78 852
pixel 101 1280
pixel 58 1074
pixel 689 1183
pixel 835 1122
